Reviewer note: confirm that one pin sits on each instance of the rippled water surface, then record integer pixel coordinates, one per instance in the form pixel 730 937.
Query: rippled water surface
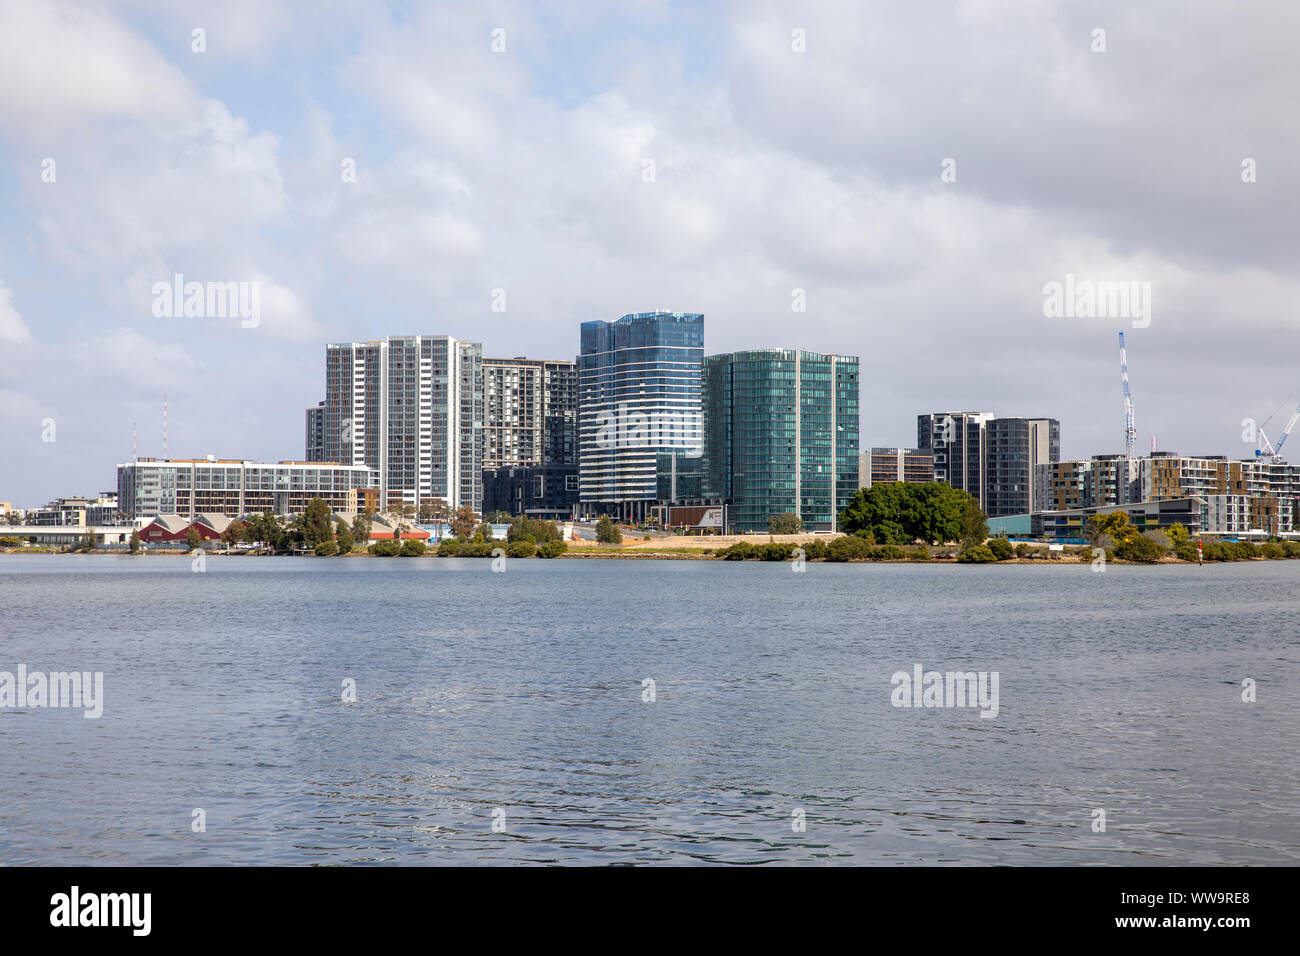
pixel 521 692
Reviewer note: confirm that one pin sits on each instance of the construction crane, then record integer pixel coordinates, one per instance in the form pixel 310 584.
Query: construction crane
pixel 1266 446
pixel 1130 432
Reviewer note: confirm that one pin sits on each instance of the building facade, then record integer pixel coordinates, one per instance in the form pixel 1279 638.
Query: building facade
pixel 1014 448
pixel 536 491
pixel 638 394
pixel 994 459
pixel 1071 524
pixel 77 512
pixel 410 408
pixel 315 444
pixel 781 435
pixel 531 413
pixel 190 487
pixel 957 440
pixel 881 465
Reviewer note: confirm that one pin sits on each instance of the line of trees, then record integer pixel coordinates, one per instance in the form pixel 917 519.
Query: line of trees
pixel 906 512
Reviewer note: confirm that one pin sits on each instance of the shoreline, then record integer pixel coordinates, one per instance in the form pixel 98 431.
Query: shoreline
pixel 603 553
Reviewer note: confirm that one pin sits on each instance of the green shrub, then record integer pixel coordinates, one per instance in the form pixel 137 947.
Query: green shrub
pixel 774 551
pixel 1271 551
pixel 919 554
pixel 1216 551
pixel 1023 550
pixel 475 549
pixel 551 549
pixel 815 550
pixel 522 548
pixel 1001 548
pixel 890 552
pixel 848 547
pixel 1186 551
pixel 326 548
pixel 977 554
pixel 413 548
pixel 448 547
pixel 386 549
pixel 740 551
pixel 1292 548
pixel 1141 549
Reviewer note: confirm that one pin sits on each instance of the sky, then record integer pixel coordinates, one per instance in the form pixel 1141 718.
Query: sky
pixel 900 181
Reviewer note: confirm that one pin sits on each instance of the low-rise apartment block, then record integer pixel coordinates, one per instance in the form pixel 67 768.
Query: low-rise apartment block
pixel 190 487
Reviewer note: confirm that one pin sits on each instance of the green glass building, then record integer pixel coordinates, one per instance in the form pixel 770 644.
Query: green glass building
pixel 781 434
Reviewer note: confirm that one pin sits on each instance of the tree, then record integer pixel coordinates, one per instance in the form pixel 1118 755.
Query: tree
pixel 268 529
pixel 361 529
pixel 463 522
pixel 1178 534
pixel 974 524
pixel 1114 525
pixel 607 532
pixel 233 534
pixel 344 535
pixel 14 518
pixel 413 548
pixel 192 538
pixel 88 542
pixel 785 523
pixel 135 542
pixel 315 523
pixel 903 512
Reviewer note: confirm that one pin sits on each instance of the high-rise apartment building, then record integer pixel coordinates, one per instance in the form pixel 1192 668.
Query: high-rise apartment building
pixel 410 407
pixel 781 435
pixel 1014 447
pixel 957 441
pixel 531 409
pixel 994 459
pixel 639 394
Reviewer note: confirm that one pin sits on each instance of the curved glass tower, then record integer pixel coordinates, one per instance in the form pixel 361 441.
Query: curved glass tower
pixel 638 394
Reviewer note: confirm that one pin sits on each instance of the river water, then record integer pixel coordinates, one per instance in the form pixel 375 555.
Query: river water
pixel 505 718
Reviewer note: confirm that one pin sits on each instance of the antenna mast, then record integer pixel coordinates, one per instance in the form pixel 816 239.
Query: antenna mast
pixel 1130 433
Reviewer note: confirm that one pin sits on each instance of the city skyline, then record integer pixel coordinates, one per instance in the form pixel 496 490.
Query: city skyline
pixel 742 162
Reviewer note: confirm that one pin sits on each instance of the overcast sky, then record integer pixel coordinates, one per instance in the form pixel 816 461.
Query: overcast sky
pixel 794 146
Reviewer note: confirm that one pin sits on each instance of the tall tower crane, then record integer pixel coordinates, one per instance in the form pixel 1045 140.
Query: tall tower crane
pixel 1266 447
pixel 1130 432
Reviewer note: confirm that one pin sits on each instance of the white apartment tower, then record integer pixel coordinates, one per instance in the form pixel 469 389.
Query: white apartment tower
pixel 410 407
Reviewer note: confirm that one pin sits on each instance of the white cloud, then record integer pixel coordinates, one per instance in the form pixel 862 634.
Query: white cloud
pixel 12 327
pixel 63 63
